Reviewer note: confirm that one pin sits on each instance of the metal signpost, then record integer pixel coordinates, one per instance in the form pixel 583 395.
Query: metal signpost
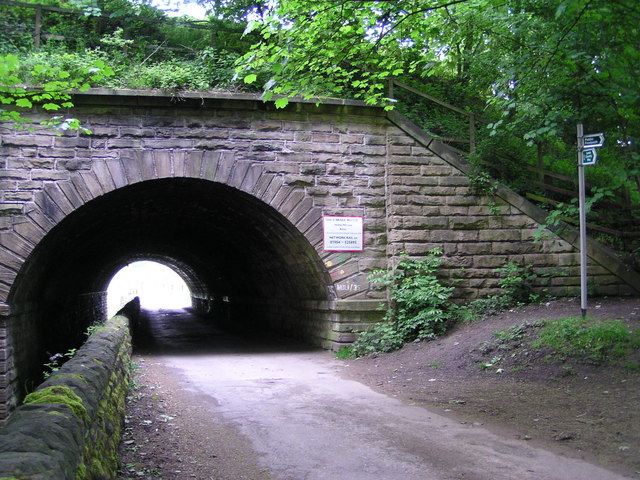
pixel 587 155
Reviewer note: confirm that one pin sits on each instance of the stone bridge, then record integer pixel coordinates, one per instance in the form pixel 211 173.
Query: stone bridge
pixel 233 195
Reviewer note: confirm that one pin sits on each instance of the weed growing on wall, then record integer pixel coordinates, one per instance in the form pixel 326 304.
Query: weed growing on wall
pixel 56 361
pixel 517 284
pixel 481 183
pixel 419 305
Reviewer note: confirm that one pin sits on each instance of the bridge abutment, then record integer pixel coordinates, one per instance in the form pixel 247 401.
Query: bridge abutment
pixel 232 192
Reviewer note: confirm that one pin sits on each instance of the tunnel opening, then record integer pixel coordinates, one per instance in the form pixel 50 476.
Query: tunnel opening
pixel 157 285
pixel 243 262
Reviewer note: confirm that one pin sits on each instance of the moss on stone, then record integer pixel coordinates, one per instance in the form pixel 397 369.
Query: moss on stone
pixel 81 472
pixel 96 469
pixel 53 412
pixel 75 376
pixel 10 211
pixel 59 394
pixel 105 364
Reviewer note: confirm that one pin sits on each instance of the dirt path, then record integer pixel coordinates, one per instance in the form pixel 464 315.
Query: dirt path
pixel 266 411
pixel 172 434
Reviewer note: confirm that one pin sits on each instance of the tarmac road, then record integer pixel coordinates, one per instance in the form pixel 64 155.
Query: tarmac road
pixel 305 421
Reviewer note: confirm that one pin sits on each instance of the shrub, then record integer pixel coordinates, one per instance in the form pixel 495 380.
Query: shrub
pixel 220 66
pixel 170 75
pixel 518 282
pixel 419 305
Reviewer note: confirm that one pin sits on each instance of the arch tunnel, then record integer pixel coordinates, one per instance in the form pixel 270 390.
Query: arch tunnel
pixel 244 263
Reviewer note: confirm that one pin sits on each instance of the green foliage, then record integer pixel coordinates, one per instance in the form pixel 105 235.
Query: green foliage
pixel 213 69
pixel 481 183
pixel 220 66
pixel 345 352
pixel 96 327
pixel 485 307
pixel 518 282
pixel 56 361
pixel 419 305
pixel 531 70
pixel 116 40
pixel 600 341
pixel 533 66
pixel 382 338
pixel 50 88
pixel 510 334
pixel 564 213
pixel 437 120
pixel 143 47
pixel 174 75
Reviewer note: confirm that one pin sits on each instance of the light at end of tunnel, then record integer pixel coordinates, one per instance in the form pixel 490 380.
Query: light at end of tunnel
pixel 157 285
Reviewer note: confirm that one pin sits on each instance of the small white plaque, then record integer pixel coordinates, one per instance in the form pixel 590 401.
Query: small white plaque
pixel 343 234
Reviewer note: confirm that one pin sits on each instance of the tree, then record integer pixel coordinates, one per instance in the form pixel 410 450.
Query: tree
pixel 536 66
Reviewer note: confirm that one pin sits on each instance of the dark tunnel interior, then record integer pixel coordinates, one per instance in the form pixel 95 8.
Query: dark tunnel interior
pixel 223 242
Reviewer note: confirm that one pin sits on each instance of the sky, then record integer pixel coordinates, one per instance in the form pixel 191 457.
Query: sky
pixel 181 8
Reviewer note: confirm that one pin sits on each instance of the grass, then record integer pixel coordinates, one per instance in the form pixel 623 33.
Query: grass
pixel 345 352
pixel 510 334
pixel 600 341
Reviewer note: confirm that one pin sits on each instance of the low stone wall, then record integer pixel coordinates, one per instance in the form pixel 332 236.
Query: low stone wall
pixel 69 428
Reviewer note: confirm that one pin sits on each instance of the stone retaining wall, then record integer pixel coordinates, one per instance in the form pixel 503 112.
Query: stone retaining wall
pixel 69 428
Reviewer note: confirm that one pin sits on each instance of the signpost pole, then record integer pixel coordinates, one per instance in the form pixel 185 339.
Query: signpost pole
pixel 583 225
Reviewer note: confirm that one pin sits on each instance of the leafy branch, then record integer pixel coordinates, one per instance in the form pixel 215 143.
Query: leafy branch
pixel 53 93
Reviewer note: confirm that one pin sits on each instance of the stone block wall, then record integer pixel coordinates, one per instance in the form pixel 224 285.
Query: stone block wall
pixel 304 161
pixel 431 203
pixel 69 428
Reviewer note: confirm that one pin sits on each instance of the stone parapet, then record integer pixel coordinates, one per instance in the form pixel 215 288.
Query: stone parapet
pixel 69 428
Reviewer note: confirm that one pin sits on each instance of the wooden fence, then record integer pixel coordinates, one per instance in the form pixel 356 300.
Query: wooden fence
pixel 38 35
pixel 41 10
pixel 548 188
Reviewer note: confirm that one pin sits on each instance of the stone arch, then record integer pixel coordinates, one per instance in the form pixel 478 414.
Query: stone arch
pixel 59 199
pixel 294 165
pixel 53 295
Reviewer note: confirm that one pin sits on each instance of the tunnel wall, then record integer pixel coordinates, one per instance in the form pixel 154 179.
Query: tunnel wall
pixel 69 428
pixel 21 369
